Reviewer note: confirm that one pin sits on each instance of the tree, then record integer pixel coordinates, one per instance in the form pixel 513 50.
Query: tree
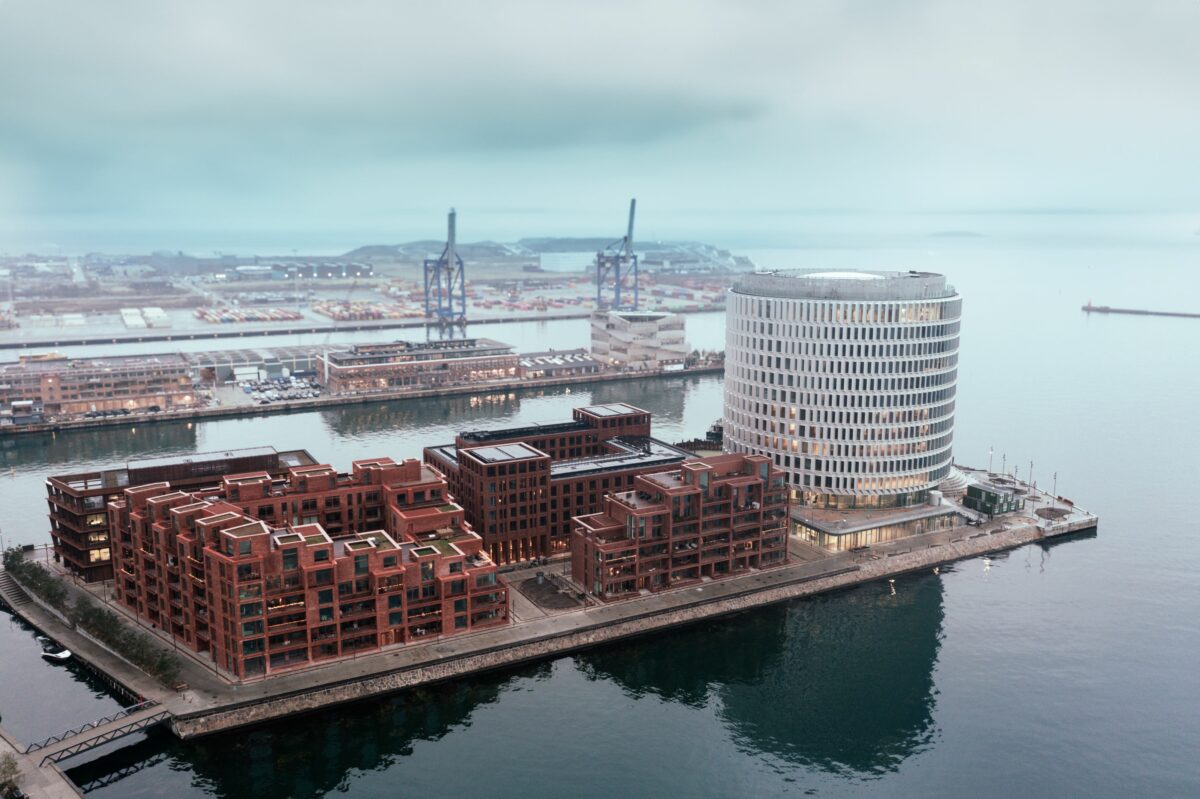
pixel 10 775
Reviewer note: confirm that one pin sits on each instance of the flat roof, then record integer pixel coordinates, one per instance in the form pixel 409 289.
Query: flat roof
pixel 844 522
pixel 505 452
pixel 201 457
pixel 632 452
pixel 611 409
pixel 866 285
pixel 519 432
pixel 52 362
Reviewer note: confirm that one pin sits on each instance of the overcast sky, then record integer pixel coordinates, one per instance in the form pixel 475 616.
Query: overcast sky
pixel 371 118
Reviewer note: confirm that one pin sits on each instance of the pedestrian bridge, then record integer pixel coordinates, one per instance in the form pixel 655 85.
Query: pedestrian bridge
pixel 101 731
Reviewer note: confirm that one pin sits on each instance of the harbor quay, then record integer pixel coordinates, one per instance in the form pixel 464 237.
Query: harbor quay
pixel 197 414
pixel 549 622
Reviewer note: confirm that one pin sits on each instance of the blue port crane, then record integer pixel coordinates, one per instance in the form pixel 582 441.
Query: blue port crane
pixel 446 284
pixel 617 272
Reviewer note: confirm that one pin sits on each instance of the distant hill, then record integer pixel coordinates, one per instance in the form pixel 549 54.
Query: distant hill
pixel 676 255
pixel 429 247
pixel 550 244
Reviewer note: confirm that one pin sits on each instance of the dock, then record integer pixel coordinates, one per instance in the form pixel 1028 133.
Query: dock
pixel 231 331
pixel 1105 309
pixel 210 703
pixel 340 400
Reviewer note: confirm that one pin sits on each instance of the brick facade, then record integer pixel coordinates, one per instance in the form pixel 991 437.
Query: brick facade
pixel 268 573
pixel 520 487
pixel 710 518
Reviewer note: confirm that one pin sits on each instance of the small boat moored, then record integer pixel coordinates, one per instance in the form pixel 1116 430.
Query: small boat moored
pixel 59 655
pixel 52 651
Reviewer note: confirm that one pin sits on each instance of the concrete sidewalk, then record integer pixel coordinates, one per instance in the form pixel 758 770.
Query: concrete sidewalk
pixel 534 634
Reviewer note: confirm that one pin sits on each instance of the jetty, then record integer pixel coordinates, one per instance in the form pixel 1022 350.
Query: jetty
pixel 1089 308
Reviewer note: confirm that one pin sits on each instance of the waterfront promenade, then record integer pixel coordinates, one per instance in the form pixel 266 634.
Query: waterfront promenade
pixel 210 703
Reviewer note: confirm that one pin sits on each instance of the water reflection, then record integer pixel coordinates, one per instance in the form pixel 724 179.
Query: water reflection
pixel 664 397
pixel 306 757
pixel 683 408
pixel 38 698
pixel 843 683
pixel 87 449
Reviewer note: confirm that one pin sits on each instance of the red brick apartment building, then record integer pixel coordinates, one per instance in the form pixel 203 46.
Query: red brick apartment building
pixel 269 573
pixel 520 487
pixel 77 502
pixel 709 518
pixel 70 386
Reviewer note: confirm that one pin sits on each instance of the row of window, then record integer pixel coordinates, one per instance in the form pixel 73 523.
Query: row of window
pixel 838 312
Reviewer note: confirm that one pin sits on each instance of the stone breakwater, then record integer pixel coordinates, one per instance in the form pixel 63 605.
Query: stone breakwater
pixel 843 572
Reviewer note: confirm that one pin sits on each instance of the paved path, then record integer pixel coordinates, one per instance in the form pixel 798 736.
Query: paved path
pixel 37 781
pixel 208 690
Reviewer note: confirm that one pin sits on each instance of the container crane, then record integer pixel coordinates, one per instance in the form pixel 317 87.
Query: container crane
pixel 446 284
pixel 617 271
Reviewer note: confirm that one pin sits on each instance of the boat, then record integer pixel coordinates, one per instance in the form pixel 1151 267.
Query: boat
pixel 52 651
pixel 57 655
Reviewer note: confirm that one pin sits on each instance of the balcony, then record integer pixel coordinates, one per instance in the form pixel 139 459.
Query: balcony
pixel 274 605
pixel 276 625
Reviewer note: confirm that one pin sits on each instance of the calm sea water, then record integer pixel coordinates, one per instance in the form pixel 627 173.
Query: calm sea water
pixel 1068 670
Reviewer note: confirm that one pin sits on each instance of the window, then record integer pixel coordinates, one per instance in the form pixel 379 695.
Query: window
pixel 291 559
pixel 460 606
pixel 243 547
pixel 321 555
pixel 460 622
pixel 361 564
pixel 325 596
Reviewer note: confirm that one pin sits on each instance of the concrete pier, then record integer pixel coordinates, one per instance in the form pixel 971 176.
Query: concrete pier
pixel 38 781
pixel 1089 308
pixel 210 703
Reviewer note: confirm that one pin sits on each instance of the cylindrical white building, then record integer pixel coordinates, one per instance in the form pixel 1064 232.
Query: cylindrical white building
pixel 846 380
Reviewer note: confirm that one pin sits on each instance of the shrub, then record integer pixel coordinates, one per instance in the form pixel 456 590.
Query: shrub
pixel 98 621
pixel 10 775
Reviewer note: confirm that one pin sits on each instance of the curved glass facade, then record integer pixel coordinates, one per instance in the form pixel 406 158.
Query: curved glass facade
pixel 846 380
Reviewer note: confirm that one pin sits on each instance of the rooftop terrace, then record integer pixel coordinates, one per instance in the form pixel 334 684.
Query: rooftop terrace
pixel 633 452
pixel 503 453
pixel 521 432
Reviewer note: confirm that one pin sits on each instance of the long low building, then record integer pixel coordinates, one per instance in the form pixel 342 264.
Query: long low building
pixel 399 364
pixel 71 386
pixel 522 486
